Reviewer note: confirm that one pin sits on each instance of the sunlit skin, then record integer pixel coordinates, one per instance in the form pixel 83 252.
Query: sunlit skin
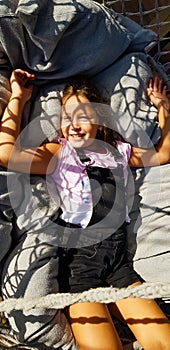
pixel 79 122
pixel 91 322
pixel 79 128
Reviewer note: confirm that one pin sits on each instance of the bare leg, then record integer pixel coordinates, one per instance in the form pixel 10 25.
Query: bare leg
pixel 146 320
pixel 93 328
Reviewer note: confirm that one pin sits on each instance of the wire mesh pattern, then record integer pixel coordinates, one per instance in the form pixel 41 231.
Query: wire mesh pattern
pixel 151 14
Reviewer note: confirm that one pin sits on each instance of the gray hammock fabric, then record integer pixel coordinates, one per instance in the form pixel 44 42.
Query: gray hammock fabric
pixel 57 40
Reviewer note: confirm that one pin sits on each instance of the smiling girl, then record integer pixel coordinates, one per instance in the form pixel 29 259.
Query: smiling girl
pixel 87 155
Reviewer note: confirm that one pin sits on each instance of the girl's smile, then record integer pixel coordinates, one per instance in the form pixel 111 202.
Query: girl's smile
pixel 79 121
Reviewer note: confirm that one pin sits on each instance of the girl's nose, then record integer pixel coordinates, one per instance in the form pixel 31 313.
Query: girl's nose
pixel 75 125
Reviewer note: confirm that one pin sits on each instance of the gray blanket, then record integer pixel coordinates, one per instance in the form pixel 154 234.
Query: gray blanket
pixel 60 39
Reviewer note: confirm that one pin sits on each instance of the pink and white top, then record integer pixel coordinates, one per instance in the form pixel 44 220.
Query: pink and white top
pixel 73 182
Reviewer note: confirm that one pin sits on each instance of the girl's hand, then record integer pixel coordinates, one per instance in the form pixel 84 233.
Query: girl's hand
pixel 157 93
pixel 21 84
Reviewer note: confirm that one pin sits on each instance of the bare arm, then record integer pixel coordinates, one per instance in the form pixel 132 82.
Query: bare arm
pixel 36 161
pixel 161 154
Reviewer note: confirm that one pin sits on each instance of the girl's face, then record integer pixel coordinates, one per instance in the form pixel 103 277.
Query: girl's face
pixel 79 122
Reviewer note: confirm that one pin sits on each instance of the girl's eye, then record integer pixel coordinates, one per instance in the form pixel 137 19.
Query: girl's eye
pixel 66 119
pixel 84 118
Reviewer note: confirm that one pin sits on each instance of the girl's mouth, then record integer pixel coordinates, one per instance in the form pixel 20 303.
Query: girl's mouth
pixel 77 136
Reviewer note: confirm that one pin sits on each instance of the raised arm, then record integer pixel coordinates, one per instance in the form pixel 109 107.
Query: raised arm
pixel 12 156
pixel 161 153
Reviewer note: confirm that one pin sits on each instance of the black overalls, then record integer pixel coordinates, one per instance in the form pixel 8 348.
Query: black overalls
pixel 96 256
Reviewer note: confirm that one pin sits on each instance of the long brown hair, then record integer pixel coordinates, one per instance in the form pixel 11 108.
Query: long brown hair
pixel 84 87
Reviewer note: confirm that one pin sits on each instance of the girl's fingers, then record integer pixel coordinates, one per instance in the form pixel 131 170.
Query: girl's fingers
pixel 160 86
pixel 149 91
pixel 24 75
pixel 164 90
pixel 23 78
pixel 155 84
pixel 150 83
pixel 30 76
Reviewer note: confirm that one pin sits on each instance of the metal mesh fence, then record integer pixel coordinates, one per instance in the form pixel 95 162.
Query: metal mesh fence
pixel 152 14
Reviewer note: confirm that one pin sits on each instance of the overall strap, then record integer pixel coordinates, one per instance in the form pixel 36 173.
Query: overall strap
pixel 108 190
pixel 82 155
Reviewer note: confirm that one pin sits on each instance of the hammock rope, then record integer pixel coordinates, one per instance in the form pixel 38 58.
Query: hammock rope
pixel 102 295
pixel 158 58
